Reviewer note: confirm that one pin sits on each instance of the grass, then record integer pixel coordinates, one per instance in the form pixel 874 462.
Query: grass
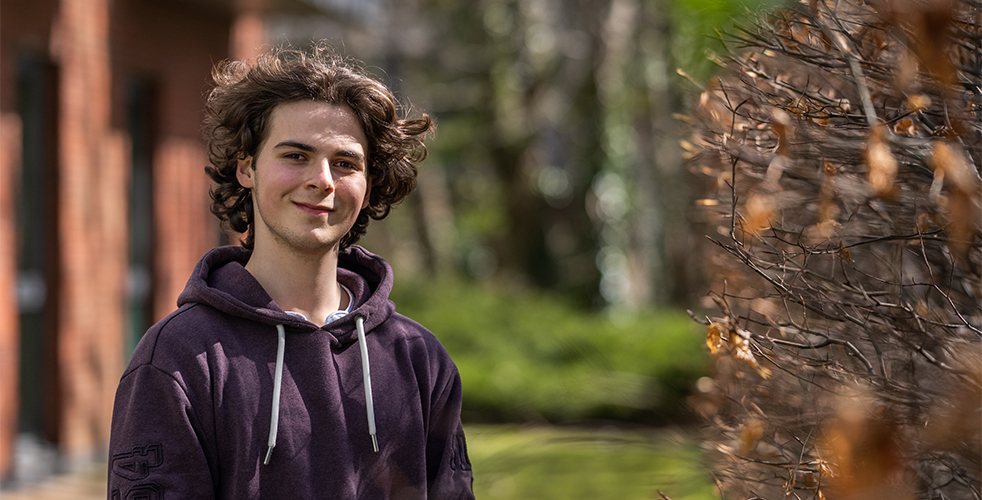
pixel 528 357
pixel 551 462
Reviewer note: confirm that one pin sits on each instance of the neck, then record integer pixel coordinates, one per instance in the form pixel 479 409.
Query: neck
pixel 303 283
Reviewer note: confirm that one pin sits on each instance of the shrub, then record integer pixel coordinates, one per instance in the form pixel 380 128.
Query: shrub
pixel 530 357
pixel 842 145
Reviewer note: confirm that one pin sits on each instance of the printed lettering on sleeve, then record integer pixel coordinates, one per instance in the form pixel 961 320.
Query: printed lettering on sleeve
pixel 136 465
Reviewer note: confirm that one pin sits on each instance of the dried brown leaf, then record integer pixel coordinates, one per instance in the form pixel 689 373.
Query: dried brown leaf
pixel 758 212
pixel 714 337
pixel 753 430
pixel 881 163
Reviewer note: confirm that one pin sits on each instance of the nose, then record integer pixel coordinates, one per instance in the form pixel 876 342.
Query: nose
pixel 321 177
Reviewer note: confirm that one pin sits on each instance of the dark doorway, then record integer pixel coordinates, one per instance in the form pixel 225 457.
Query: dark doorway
pixel 37 265
pixel 141 118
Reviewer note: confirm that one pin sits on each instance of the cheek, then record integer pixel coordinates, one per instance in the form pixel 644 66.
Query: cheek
pixel 352 186
pixel 281 180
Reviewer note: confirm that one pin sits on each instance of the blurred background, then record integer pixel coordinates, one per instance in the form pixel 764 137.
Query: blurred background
pixel 550 245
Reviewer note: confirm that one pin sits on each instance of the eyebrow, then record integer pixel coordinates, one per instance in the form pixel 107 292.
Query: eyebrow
pixel 296 145
pixel 354 155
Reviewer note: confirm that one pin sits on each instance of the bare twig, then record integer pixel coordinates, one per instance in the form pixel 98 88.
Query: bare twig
pixel 851 311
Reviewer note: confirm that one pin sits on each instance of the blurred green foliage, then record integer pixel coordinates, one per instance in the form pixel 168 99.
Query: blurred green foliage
pixel 571 464
pixel 699 27
pixel 557 159
pixel 531 357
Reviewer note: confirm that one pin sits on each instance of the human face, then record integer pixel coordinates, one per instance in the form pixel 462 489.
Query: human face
pixel 309 178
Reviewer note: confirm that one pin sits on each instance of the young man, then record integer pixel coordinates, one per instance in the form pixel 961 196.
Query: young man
pixel 286 372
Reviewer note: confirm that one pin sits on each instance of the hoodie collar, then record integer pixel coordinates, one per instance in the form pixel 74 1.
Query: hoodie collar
pixel 220 280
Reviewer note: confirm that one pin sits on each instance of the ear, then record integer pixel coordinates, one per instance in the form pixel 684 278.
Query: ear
pixel 245 173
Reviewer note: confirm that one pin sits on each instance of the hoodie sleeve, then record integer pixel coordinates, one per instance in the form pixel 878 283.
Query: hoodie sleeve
pixel 155 448
pixel 448 467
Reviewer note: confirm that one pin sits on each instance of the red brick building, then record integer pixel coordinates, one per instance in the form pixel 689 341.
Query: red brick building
pixel 103 198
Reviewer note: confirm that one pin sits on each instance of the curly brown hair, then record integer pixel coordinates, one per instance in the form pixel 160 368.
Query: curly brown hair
pixel 237 115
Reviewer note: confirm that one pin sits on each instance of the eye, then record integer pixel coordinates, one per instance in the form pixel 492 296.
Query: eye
pixel 346 165
pixel 295 156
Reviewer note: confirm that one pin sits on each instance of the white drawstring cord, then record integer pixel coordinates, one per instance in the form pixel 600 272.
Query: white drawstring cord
pixel 366 374
pixel 274 420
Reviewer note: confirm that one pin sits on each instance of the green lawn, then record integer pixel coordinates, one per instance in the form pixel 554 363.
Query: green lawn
pixel 545 462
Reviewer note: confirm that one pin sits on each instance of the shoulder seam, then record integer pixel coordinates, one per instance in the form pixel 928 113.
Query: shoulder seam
pixel 160 329
pixel 159 370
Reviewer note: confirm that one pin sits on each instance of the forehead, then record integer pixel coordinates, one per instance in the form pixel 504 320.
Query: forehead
pixel 315 122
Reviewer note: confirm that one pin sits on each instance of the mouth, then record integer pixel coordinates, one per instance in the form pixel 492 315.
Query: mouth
pixel 314 209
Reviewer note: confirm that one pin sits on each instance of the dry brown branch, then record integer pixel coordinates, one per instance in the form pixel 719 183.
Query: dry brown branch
pixel 843 145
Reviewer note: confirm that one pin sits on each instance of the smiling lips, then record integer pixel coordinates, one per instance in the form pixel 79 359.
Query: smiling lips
pixel 314 209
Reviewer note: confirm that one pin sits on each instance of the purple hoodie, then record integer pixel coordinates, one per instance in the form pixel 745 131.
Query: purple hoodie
pixel 197 408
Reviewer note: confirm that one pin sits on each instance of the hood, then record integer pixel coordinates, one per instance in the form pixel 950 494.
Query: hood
pixel 221 281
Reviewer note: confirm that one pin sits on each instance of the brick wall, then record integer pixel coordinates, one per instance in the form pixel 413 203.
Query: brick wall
pixel 9 328
pixel 97 46
pixel 182 217
pixel 91 227
pixel 179 63
pixel 25 29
